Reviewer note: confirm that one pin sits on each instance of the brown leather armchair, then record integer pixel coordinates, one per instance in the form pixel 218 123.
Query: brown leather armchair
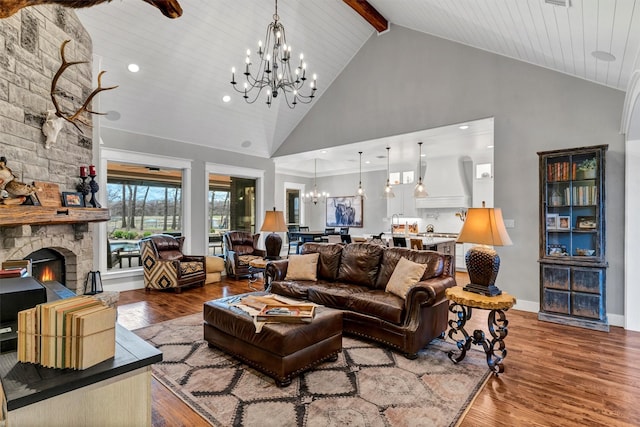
pixel 165 266
pixel 240 247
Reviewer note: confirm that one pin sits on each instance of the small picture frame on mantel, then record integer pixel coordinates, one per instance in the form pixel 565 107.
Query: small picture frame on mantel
pixel 72 199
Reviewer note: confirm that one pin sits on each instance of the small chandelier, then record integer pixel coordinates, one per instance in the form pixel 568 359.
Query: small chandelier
pixel 388 190
pixel 274 70
pixel 420 189
pixel 315 196
pixel 360 191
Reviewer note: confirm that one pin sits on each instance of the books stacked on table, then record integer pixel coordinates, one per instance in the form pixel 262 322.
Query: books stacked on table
pixel 74 333
pixel 15 268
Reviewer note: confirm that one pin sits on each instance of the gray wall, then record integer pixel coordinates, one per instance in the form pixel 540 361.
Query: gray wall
pixel 121 140
pixel 404 81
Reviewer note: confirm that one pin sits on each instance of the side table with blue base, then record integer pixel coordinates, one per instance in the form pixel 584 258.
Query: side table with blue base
pixel 462 305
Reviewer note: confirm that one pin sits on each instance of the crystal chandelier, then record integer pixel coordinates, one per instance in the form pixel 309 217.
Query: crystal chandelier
pixel 274 70
pixel 315 196
pixel 360 191
pixel 420 189
pixel 388 190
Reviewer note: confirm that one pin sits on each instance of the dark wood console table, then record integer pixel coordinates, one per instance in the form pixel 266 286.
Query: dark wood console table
pixel 114 392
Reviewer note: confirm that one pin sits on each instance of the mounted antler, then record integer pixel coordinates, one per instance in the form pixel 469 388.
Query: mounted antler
pixel 52 125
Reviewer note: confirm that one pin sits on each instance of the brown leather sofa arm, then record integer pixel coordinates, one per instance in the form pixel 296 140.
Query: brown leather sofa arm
pixel 276 270
pixel 427 293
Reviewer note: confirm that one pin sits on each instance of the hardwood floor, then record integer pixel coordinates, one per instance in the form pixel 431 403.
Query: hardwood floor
pixel 554 375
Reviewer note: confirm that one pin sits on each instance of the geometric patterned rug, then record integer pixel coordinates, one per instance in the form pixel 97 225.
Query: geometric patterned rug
pixel 367 386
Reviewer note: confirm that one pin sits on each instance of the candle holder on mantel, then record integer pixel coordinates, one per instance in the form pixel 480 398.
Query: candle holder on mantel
pixel 94 187
pixel 84 187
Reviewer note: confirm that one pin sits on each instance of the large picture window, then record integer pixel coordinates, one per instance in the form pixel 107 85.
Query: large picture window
pixel 142 201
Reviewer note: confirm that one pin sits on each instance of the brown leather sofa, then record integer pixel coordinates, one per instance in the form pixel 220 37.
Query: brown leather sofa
pixel 369 311
pixel 165 266
pixel 240 247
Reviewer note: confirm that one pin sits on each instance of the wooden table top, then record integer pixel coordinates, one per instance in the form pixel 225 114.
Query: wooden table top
pixel 471 299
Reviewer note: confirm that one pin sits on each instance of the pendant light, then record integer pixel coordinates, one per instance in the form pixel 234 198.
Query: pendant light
pixel 420 190
pixel 360 191
pixel 388 190
pixel 315 196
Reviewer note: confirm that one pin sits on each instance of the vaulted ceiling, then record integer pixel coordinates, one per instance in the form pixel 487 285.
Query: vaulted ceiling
pixel 185 64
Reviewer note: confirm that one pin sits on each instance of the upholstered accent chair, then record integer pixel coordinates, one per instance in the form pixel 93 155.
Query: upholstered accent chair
pixel 166 267
pixel 240 247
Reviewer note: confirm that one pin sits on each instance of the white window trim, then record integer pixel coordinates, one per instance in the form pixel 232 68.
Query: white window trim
pixel 240 172
pixel 146 159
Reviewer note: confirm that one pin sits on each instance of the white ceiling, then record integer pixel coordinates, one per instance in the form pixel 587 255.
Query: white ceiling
pixel 186 63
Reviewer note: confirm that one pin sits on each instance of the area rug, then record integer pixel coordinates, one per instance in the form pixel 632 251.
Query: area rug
pixel 367 386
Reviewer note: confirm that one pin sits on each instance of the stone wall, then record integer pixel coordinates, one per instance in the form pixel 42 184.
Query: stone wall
pixel 29 58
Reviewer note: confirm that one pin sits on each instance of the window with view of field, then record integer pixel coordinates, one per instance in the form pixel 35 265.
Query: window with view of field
pixel 142 201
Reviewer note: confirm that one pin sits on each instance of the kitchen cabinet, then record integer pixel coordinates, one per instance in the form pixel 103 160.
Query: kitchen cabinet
pixel 404 203
pixel 572 237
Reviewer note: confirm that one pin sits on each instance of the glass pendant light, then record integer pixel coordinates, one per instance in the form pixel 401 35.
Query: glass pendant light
pixel 388 190
pixel 360 191
pixel 420 190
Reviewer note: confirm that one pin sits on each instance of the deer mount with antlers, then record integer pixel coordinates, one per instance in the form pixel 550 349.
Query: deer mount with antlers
pixel 55 119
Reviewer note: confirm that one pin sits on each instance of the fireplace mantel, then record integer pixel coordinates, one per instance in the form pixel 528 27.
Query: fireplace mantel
pixel 11 216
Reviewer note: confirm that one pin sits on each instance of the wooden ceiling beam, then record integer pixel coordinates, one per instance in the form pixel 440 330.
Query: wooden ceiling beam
pixel 369 13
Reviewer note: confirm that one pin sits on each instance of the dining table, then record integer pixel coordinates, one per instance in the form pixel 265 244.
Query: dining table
pixel 306 236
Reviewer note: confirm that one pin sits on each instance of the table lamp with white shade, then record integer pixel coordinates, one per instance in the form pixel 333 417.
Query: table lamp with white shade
pixel 483 226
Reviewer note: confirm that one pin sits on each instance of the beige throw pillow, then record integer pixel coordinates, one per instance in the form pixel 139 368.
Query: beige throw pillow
pixel 303 267
pixel 406 274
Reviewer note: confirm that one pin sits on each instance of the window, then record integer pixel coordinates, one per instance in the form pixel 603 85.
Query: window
pixel 142 201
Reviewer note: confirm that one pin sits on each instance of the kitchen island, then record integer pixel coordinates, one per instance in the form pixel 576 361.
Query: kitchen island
pixel 441 242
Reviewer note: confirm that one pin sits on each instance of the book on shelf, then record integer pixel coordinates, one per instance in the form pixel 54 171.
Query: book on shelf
pixel 75 333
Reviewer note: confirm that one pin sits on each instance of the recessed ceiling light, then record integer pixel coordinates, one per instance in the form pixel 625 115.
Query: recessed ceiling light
pixel 367 161
pixel 226 98
pixel 423 155
pixel 324 151
pixel 134 68
pixel 603 56
pixel 489 146
pixel 463 127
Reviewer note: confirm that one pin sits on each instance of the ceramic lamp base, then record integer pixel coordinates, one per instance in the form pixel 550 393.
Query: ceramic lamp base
pixel 273 244
pixel 483 264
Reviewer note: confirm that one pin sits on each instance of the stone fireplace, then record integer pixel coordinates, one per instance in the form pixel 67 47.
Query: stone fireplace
pixel 73 242
pixel 28 62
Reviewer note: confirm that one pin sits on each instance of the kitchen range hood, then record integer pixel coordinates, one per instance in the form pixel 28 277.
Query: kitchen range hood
pixel 446 184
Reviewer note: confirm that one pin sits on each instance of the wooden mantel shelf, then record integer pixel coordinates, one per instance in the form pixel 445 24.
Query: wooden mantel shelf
pixel 11 216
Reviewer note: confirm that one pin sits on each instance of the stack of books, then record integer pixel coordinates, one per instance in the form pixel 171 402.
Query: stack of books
pixel 15 268
pixel 74 333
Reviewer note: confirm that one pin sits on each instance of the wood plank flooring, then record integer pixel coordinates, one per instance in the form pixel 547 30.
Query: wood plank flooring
pixel 554 375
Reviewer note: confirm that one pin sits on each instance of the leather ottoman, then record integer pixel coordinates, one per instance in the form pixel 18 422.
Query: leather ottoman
pixel 280 350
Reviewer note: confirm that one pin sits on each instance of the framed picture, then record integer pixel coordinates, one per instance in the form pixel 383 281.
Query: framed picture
pixel 73 200
pixel 564 222
pixel 586 222
pixel 344 211
pixel 552 221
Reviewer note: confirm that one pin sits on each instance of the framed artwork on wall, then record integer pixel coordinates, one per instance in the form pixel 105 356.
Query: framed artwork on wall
pixel 344 211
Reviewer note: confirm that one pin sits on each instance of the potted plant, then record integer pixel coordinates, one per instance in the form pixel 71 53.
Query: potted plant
pixel 587 169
